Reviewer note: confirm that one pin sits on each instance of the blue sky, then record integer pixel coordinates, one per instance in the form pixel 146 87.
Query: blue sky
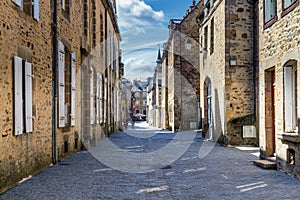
pixel 144 26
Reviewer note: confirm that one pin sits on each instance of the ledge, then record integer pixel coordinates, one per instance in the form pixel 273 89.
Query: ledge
pixel 290 138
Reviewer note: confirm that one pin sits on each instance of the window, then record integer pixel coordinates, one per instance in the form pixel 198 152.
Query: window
pixel 22 96
pixel 99 98
pixel 30 7
pixel 101 35
pixel 92 98
pixel 288 3
pixel 144 95
pixel 66 86
pixel 270 10
pixel 65 5
pixel 137 103
pixel 212 36
pixel 61 85
pixel 137 111
pixel 137 95
pixel 85 17
pixel 94 24
pixel 290 94
pixel 205 37
pixel 105 100
pixel 73 87
pixel 288 6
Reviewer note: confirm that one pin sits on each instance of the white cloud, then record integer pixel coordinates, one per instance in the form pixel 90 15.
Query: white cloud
pixel 136 13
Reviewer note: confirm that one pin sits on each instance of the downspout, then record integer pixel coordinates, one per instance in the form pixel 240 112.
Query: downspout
pixel 54 88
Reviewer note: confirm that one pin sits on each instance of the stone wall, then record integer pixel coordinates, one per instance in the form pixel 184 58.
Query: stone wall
pixel 278 46
pixel 23 36
pixel 228 67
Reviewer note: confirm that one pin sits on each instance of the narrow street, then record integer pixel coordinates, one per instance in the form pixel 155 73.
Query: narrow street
pixel 224 173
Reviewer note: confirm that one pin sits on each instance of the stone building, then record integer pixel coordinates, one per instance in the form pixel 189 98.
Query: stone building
pixel 44 73
pixel 139 97
pixel 180 71
pixel 150 99
pixel 227 71
pixel 157 92
pixel 126 100
pixel 279 57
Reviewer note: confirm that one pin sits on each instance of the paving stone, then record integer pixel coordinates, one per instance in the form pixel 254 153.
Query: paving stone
pixel 225 173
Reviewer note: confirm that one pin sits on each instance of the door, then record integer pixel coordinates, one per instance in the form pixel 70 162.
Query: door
pixel 270 93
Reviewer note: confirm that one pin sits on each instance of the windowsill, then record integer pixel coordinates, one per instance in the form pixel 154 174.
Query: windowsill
pixel 290 137
pixel 289 9
pixel 270 23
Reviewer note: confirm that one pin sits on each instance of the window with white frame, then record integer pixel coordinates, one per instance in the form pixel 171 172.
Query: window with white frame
pixel 23 116
pixel 269 10
pixel 66 86
pixel 290 97
pixel 30 7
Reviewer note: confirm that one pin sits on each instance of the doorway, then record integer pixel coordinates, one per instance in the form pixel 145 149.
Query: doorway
pixel 270 96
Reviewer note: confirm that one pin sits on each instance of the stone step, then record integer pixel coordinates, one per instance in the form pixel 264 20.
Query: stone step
pixel 265 164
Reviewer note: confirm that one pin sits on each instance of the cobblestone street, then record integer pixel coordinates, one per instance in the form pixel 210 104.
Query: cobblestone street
pixel 225 173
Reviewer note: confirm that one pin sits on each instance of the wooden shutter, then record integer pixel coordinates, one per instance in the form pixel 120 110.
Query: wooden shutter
pixel 61 85
pixel 288 99
pixel 73 87
pixel 28 97
pixel 92 102
pixel 18 99
pixel 36 10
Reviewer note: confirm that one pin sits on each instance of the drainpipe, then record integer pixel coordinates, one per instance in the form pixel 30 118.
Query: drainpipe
pixel 54 88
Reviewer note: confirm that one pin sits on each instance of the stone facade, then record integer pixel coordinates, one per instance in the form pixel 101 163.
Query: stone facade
pixel 279 57
pixel 181 74
pixel 227 70
pixel 29 141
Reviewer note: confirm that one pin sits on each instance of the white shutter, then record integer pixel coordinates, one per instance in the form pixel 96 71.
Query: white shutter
pixel 28 97
pixel 73 87
pixel 63 4
pixel 97 98
pixel 288 98
pixel 101 99
pixel 105 99
pixel 36 10
pixel 61 85
pixel 117 104
pixel 92 108
pixel 18 101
